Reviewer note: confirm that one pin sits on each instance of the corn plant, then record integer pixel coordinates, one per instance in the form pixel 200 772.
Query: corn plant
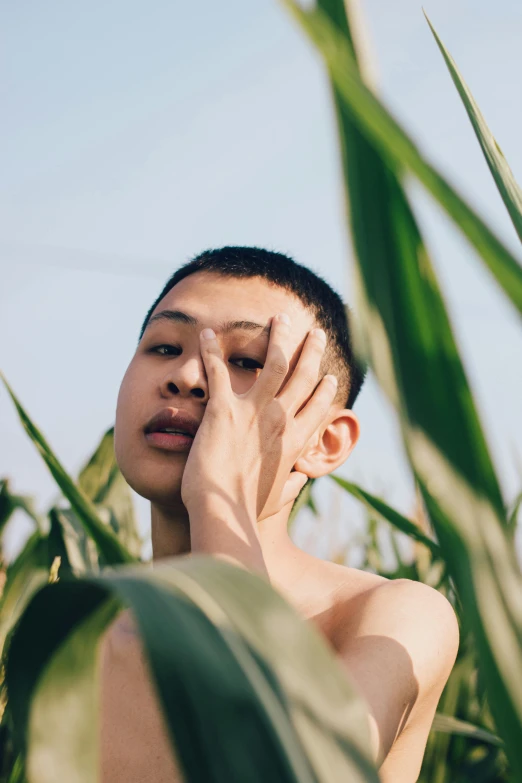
pixel 404 332
pixel 53 612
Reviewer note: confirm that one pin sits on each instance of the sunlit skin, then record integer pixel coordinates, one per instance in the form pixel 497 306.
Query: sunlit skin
pixel 160 376
pixel 397 640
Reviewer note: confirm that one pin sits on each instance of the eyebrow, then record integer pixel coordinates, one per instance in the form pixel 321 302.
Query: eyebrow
pixel 177 316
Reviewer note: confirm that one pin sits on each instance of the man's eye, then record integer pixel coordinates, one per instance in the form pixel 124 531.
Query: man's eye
pixel 246 359
pixel 168 352
pixel 174 350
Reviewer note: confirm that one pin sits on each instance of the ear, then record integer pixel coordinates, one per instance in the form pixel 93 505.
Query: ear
pixel 331 445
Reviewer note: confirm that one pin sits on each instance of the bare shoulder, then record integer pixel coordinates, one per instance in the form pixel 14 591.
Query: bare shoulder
pixel 409 620
pixel 412 613
pixel 398 640
pixel 416 616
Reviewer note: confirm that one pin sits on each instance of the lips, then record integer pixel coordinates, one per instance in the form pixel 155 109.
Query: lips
pixel 167 419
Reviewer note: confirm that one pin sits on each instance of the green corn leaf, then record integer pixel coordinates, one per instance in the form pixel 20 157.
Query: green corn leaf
pixel 403 308
pixel 370 116
pixel 82 550
pixel 513 514
pixel 107 542
pixel 404 332
pixel 450 725
pixel 304 499
pixel 9 503
pixel 25 576
pixel 508 187
pixel 386 512
pixel 122 517
pixel 246 695
pixel 103 483
pixel 17 773
pixel 99 472
pixel 63 543
pixel 436 758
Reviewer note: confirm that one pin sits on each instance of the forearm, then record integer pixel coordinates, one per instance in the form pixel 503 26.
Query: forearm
pixel 231 535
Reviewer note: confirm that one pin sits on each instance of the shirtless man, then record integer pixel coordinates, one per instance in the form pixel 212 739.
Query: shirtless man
pixel 397 640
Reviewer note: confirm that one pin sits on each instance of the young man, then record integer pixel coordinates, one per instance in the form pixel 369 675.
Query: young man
pixel 221 434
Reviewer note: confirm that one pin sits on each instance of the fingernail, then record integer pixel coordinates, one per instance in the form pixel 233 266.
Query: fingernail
pixel 331 379
pixel 208 334
pixel 320 334
pixel 284 318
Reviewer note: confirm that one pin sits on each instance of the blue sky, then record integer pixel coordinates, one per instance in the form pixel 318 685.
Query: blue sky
pixel 137 134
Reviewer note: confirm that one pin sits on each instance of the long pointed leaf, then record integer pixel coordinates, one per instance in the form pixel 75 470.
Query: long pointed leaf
pixel 508 187
pixel 450 725
pixel 99 471
pixel 376 122
pixel 405 333
pixel 107 542
pixel 388 513
pixel 103 483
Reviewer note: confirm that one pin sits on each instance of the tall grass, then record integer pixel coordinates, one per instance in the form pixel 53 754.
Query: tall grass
pixel 309 722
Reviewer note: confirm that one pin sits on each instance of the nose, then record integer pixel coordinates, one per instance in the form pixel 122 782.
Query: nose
pixel 185 378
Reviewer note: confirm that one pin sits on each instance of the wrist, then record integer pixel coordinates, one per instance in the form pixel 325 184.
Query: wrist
pixel 216 530
pixel 221 508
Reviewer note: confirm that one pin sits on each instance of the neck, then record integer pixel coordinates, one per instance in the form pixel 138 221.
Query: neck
pixel 284 561
pixel 170 528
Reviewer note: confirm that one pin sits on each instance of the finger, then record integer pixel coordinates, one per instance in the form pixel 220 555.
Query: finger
pixel 275 368
pixel 217 373
pixel 293 487
pixel 318 407
pixel 305 376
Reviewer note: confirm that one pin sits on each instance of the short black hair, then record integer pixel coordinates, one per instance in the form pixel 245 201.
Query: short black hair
pixel 326 306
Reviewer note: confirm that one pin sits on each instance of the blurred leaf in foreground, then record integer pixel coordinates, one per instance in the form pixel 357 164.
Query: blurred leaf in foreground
pixel 275 715
pixel 405 334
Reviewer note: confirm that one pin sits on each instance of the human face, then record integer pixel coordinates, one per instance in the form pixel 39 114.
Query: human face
pixel 167 370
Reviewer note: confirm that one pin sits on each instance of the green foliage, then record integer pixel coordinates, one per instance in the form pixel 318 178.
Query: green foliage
pixel 393 145
pixel 108 544
pixel 399 521
pixel 195 618
pixel 461 534
pixel 508 187
pixel 405 334
pixel 67 537
pixel 10 503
